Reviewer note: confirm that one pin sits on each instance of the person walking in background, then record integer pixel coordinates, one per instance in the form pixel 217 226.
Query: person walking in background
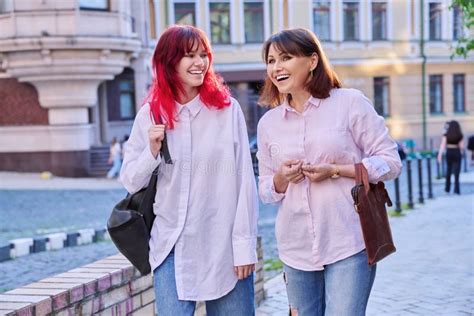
pixel 470 147
pixel 203 240
pixel 308 144
pixel 452 141
pixel 115 158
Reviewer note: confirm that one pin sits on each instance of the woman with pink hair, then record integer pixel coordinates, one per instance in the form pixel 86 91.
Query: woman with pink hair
pixel 203 240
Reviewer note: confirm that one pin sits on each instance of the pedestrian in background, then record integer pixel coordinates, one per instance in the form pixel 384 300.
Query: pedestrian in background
pixel 308 144
pixel 115 158
pixel 452 141
pixel 470 146
pixel 203 240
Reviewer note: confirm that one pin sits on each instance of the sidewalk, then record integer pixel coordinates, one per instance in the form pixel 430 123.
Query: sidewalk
pixel 33 181
pixel 432 272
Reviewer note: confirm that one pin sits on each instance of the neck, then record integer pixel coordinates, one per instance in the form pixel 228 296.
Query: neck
pixel 188 95
pixel 298 100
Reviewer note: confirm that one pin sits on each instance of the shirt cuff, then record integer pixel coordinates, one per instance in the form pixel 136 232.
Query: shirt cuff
pixel 245 251
pixel 376 168
pixel 269 194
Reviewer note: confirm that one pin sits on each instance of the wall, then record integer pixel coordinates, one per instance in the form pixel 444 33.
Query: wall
pixel 110 286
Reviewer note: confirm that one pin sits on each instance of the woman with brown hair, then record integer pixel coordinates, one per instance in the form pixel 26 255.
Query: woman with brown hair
pixel 308 143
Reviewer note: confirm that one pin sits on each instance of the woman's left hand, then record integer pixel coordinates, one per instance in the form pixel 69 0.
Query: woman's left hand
pixel 317 173
pixel 244 271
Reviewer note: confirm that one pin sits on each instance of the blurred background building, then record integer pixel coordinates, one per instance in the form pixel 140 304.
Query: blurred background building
pixel 73 73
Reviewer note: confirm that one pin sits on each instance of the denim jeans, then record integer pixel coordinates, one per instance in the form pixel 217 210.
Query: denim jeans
pixel 341 289
pixel 238 302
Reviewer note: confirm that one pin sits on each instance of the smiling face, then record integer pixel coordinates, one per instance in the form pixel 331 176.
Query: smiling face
pixel 192 69
pixel 289 73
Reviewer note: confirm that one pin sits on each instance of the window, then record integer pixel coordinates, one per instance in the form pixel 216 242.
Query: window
pixel 5 6
pixel 351 21
pixel 435 21
pixel 253 16
pixel 458 31
pixel 379 21
pixel 321 20
pixel 220 22
pixel 436 94
pixel 121 96
pixel 185 13
pixel 458 93
pixel 127 99
pixel 100 5
pixel 381 95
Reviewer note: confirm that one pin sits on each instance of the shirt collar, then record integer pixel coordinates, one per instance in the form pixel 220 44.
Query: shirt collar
pixel 194 106
pixel 311 101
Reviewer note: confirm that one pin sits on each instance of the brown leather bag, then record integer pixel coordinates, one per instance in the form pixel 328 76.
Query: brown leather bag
pixel 369 203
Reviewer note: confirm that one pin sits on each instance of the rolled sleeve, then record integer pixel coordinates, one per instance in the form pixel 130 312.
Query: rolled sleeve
pixel 379 150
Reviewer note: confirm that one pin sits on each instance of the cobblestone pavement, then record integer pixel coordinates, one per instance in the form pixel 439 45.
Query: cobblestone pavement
pixel 24 270
pixel 432 272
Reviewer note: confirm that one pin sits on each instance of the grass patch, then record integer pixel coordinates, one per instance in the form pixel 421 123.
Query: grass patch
pixel 395 214
pixel 272 264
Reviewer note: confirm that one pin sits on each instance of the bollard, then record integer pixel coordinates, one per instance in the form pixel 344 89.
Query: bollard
pixel 464 157
pixel 398 205
pixel 421 200
pixel 410 193
pixel 438 169
pixel 430 184
pixel 443 166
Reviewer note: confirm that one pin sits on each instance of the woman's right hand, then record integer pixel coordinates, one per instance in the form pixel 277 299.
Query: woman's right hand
pixel 290 171
pixel 156 134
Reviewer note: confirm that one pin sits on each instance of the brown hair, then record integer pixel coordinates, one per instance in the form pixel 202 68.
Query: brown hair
pixel 299 42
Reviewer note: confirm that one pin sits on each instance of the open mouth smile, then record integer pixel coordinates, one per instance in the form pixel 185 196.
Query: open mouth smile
pixel 280 78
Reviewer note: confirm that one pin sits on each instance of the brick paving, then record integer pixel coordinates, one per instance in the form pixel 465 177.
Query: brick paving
pixel 432 272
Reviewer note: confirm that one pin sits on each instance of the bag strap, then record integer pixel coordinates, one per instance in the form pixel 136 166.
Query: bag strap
pixel 164 150
pixel 361 176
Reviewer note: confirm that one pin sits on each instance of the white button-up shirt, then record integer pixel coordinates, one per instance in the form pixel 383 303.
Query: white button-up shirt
pixel 206 202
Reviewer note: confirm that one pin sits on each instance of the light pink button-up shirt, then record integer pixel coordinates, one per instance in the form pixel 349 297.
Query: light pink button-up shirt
pixel 206 201
pixel 316 223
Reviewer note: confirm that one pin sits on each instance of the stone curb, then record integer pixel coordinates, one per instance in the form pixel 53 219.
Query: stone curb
pixel 24 246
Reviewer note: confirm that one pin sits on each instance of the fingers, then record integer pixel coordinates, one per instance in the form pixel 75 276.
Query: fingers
pixel 297 178
pixel 244 271
pixel 291 162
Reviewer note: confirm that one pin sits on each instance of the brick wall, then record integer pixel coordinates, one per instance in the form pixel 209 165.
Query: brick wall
pixel 110 286
pixel 20 105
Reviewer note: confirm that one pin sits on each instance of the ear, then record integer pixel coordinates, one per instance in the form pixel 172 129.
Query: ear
pixel 314 59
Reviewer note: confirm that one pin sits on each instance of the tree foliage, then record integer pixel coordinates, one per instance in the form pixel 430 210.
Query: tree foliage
pixel 465 43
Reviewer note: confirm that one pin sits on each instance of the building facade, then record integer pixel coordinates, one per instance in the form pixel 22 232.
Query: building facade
pixel 74 72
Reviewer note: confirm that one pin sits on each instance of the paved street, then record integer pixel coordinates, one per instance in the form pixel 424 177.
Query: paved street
pixel 432 272
pixel 432 269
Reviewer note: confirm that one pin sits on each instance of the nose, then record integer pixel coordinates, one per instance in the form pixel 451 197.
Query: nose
pixel 199 61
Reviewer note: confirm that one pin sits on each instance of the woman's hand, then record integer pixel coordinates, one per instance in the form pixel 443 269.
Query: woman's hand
pixel 244 271
pixel 317 173
pixel 290 170
pixel 156 134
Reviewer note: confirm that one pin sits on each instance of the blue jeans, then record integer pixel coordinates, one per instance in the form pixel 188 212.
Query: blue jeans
pixel 341 289
pixel 238 302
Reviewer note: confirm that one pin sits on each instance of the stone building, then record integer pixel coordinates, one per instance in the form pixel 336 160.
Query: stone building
pixel 74 72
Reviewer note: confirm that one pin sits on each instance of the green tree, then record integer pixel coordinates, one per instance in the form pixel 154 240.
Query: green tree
pixel 465 42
